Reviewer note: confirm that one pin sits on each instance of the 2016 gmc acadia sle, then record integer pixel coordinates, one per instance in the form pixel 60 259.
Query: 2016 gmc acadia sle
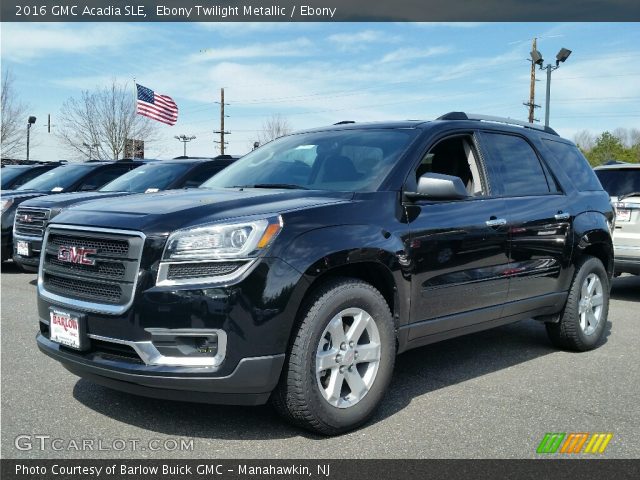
pixel 299 272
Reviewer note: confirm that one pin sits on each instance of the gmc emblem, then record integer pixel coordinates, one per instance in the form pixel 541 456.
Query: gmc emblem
pixel 77 255
pixel 25 218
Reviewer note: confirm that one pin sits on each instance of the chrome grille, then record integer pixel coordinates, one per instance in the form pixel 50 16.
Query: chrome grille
pixel 118 248
pixel 95 291
pixel 202 269
pixel 30 222
pixel 116 270
pixel 106 286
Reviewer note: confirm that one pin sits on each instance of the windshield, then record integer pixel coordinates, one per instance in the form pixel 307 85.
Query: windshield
pixel 345 160
pixel 147 178
pixel 620 181
pixel 9 174
pixel 58 179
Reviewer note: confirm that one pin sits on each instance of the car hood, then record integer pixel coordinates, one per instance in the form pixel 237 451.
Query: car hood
pixel 63 200
pixel 163 212
pixel 20 195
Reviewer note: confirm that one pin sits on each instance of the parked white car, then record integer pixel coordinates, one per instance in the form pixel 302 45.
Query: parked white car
pixel 622 181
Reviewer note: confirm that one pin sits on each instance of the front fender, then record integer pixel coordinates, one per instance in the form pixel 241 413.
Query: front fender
pixel 328 250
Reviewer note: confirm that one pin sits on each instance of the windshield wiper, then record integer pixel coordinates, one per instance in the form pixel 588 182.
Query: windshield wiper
pixel 627 195
pixel 289 186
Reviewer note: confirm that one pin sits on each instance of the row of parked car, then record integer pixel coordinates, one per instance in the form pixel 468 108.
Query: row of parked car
pixel 28 204
pixel 33 194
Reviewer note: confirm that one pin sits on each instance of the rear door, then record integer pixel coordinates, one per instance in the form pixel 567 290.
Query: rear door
pixel 538 218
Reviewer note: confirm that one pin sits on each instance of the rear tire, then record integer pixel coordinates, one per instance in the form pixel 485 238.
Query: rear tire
pixel 341 359
pixel 584 318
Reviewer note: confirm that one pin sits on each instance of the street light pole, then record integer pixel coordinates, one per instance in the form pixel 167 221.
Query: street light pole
pixel 548 100
pixel 184 139
pixel 561 57
pixel 30 121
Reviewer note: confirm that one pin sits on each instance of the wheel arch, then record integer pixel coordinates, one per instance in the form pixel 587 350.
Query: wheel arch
pixel 593 235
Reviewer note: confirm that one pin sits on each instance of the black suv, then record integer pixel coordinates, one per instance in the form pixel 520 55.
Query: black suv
pixel 32 216
pixel 72 177
pixel 300 271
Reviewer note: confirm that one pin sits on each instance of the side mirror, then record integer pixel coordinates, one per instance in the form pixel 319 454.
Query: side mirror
pixel 436 186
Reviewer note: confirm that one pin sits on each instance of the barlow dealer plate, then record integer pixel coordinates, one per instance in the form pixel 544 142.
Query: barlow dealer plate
pixel 67 329
pixel 22 248
pixel 623 215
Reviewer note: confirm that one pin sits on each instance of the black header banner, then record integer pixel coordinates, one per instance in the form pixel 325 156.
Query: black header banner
pixel 319 10
pixel 218 469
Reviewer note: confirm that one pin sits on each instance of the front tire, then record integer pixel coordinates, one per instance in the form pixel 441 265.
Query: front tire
pixel 584 318
pixel 341 359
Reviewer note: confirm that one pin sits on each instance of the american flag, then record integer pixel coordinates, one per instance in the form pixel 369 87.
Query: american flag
pixel 159 107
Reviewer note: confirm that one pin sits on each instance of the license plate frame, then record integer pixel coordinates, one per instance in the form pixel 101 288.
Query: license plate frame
pixel 68 328
pixel 23 248
pixel 623 215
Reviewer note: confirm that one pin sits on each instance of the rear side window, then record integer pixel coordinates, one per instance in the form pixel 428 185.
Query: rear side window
pixel 516 166
pixel 574 164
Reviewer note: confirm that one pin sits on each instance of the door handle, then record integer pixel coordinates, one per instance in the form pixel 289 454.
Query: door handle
pixel 562 216
pixel 496 222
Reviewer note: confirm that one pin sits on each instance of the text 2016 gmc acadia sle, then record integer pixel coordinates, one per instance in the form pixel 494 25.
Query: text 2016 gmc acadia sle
pixel 299 272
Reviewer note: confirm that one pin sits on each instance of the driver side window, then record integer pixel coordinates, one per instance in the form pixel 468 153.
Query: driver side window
pixel 455 156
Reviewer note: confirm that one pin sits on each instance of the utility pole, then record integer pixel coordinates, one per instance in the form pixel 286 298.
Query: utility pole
pixel 184 139
pixel 222 131
pixel 532 87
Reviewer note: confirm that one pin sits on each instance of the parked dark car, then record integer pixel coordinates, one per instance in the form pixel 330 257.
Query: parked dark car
pixel 32 215
pixel 14 176
pixel 72 177
pixel 622 182
pixel 299 272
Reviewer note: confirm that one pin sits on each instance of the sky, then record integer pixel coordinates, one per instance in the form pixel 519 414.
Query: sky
pixel 315 74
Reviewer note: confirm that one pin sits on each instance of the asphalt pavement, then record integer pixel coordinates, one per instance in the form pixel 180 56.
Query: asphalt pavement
pixel 492 394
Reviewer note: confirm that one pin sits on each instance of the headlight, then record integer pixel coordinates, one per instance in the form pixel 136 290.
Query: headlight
pixel 223 241
pixel 6 203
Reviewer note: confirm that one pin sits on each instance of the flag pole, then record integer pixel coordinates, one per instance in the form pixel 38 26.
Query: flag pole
pixel 135 112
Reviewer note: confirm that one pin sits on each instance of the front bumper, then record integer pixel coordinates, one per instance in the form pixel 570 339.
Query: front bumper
pixel 253 317
pixel 250 383
pixel 32 261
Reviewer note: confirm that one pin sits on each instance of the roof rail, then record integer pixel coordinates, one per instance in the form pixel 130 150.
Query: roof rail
pixel 344 122
pixel 489 118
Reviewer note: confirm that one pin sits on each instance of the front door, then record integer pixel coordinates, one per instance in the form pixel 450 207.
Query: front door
pixel 458 249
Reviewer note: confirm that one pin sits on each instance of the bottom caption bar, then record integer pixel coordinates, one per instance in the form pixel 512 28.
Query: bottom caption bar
pixel 319 469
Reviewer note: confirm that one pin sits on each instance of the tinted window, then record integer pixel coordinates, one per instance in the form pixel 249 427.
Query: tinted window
pixel 342 160
pixel 516 166
pixel 102 177
pixel 574 164
pixel 58 179
pixel 9 174
pixel 197 177
pixel 620 181
pixel 156 176
pixel 29 175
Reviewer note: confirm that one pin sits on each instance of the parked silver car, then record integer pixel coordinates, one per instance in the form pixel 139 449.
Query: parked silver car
pixel 622 181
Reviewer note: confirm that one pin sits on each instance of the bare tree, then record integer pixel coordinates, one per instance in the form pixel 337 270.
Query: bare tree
pixel 276 126
pixel 584 139
pixel 100 122
pixel 14 118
